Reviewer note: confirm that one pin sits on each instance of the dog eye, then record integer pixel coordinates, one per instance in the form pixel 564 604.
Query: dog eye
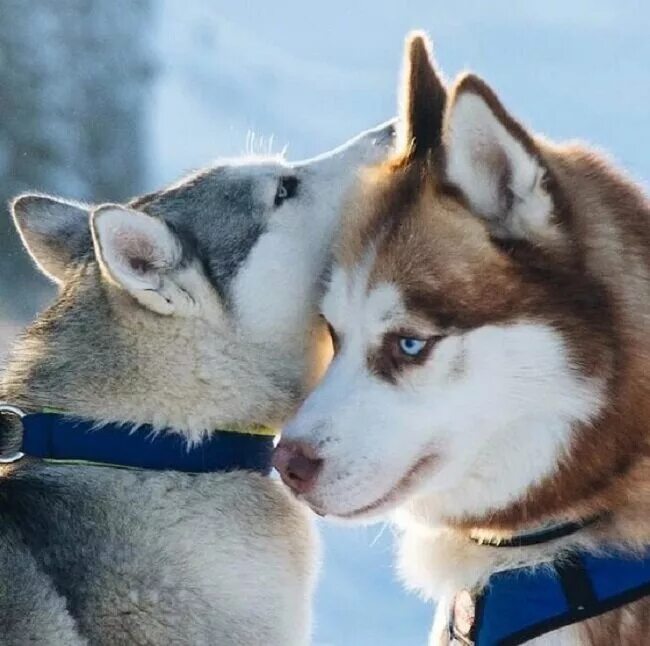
pixel 411 349
pixel 410 346
pixel 287 188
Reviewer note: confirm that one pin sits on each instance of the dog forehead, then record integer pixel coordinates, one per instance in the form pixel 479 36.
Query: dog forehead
pixel 427 244
pixel 417 232
pixel 351 300
pixel 436 244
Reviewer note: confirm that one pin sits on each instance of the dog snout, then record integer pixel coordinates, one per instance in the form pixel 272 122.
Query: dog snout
pixel 298 464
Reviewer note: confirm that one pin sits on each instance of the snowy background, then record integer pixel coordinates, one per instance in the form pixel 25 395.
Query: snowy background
pixel 103 99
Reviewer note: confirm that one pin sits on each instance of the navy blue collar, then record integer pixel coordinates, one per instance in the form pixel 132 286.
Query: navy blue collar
pixel 59 438
pixel 520 604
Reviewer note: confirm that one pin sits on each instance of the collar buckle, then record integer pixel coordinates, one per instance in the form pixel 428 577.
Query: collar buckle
pixel 9 410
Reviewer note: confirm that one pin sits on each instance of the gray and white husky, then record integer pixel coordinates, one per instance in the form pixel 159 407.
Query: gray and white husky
pixel 192 309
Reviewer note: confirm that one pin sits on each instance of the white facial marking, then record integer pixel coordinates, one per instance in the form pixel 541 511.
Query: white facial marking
pixel 378 306
pixel 488 414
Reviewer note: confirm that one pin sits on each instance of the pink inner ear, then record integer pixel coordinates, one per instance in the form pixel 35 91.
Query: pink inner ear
pixel 137 250
pixel 140 265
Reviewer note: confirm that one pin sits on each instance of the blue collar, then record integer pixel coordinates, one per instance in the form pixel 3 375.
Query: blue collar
pixel 518 605
pixel 56 437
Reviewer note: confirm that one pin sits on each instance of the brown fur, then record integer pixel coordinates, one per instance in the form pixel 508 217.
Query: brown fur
pixel 590 279
pixel 629 625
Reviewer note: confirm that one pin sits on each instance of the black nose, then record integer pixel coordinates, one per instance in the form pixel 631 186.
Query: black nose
pixel 297 464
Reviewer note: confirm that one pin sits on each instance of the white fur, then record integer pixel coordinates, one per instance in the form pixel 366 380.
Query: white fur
pixel 277 278
pixel 479 151
pixel 495 405
pixel 383 303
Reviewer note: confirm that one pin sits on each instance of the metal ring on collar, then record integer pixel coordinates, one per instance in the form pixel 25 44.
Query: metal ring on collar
pixel 10 409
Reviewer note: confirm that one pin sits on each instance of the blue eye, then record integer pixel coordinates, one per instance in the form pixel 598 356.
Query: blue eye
pixel 411 346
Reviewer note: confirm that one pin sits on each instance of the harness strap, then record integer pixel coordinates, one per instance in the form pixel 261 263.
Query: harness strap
pixel 575 582
pixel 523 603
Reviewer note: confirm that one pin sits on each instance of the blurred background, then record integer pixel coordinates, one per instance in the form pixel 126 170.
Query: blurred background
pixel 104 99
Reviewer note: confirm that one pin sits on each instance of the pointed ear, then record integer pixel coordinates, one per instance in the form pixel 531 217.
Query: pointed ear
pixel 496 164
pixel 136 252
pixel 423 99
pixel 56 233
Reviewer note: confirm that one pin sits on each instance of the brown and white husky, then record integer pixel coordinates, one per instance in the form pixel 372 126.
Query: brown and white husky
pixel 489 306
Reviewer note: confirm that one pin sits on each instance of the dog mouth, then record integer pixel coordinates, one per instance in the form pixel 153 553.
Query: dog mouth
pixel 391 497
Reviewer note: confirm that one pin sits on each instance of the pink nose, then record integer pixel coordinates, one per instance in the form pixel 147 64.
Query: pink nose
pixel 297 464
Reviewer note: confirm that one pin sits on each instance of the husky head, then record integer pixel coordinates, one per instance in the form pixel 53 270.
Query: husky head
pixel 472 347
pixel 193 306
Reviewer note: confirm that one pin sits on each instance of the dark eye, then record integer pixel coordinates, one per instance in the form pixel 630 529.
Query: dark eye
pixel 287 188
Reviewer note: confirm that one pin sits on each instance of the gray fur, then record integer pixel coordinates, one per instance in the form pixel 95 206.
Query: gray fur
pixel 42 221
pixel 224 209
pixel 96 555
pixel 112 567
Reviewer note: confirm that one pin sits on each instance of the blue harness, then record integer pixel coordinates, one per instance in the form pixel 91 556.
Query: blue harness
pixel 58 438
pixel 518 605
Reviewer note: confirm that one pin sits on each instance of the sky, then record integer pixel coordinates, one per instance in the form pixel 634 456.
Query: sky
pixel 307 75
pixel 235 77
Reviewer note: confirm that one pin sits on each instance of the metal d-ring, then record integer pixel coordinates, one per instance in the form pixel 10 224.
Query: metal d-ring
pixel 10 409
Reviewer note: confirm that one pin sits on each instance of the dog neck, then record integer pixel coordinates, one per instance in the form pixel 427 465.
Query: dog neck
pixel 100 356
pixel 439 559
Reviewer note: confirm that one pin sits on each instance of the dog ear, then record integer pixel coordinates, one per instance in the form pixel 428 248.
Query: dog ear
pixel 56 233
pixel 495 163
pixel 137 252
pixel 423 99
